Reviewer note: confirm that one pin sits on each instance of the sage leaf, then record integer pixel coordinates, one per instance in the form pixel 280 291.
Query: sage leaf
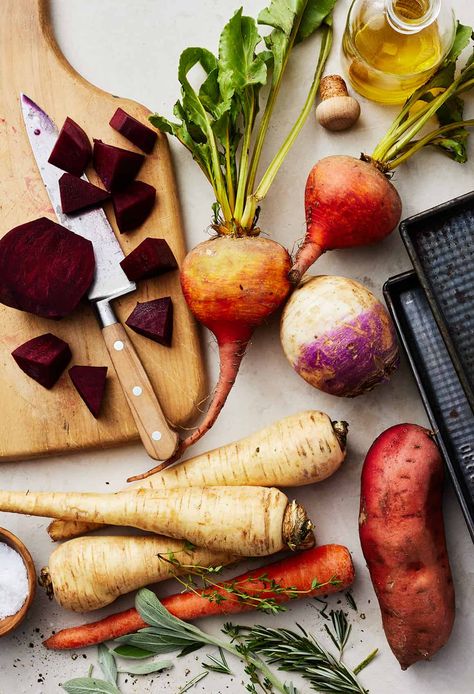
pixel 107 664
pixel 132 652
pixel 146 668
pixel 89 685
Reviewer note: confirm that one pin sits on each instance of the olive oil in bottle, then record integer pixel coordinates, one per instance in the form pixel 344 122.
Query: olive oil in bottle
pixel 390 47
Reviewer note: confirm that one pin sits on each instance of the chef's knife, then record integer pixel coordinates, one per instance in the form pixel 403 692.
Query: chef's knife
pixel 110 282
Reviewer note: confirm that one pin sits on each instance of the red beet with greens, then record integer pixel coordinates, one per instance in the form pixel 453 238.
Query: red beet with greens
pixel 151 258
pixel 78 194
pixel 133 130
pixel 115 166
pixel 89 382
pixel 43 358
pixel 133 205
pixel 45 268
pixel 72 150
pixel 153 319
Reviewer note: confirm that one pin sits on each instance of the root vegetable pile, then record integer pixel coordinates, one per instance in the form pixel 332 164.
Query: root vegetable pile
pixel 233 282
pixel 351 202
pixel 402 536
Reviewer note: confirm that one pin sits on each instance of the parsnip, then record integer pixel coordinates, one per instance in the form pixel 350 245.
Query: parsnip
pixel 88 573
pixel 301 449
pixel 248 521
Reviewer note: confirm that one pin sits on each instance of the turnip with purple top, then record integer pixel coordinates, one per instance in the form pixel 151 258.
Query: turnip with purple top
pixel 338 336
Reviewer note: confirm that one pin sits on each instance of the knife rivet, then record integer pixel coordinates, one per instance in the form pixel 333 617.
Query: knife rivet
pixel 136 390
pixel 118 345
pixel 156 435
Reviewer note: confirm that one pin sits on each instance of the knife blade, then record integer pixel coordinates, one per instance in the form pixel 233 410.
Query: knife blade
pixel 110 282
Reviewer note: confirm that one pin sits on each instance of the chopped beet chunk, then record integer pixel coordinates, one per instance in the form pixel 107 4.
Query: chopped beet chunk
pixel 115 166
pixel 72 150
pixel 43 358
pixel 139 134
pixel 77 194
pixel 152 257
pixel 89 382
pixel 45 268
pixel 153 319
pixel 133 205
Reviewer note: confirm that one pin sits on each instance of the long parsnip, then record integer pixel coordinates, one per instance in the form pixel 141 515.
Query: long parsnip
pixel 301 449
pixel 248 521
pixel 91 572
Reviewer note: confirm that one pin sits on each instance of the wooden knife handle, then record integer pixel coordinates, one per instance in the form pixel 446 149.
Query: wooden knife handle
pixel 159 440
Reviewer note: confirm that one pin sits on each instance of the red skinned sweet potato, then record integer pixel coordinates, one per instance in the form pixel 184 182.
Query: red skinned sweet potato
pixel 45 268
pixel 402 536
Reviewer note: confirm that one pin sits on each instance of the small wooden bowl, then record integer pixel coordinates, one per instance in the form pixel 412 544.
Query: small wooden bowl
pixel 8 624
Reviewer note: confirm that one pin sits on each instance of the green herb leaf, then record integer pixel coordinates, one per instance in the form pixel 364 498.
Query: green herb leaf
pixel 147 668
pixel 107 664
pixel 315 14
pixel 132 652
pixel 192 683
pixel 461 41
pixel 89 685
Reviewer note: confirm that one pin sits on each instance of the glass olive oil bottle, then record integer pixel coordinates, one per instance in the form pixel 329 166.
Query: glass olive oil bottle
pixel 390 47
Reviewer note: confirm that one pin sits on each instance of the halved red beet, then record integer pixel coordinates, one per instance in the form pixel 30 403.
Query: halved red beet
pixel 131 128
pixel 77 194
pixel 89 382
pixel 115 166
pixel 45 268
pixel 133 205
pixel 152 257
pixel 72 150
pixel 153 319
pixel 43 358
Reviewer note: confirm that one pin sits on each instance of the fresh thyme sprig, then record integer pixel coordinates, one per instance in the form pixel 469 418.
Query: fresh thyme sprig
pixel 267 590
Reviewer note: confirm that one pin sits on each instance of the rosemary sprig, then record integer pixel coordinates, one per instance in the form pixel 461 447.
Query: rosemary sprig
pixel 267 590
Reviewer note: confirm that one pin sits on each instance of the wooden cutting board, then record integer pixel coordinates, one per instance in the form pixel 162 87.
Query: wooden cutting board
pixel 35 421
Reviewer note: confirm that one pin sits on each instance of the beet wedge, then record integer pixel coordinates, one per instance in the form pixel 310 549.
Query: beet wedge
pixel 45 268
pixel 151 258
pixel 153 319
pixel 138 134
pixel 78 194
pixel 89 382
pixel 72 151
pixel 116 167
pixel 133 205
pixel 43 358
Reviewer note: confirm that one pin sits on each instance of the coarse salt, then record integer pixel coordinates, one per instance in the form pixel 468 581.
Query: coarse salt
pixel 13 581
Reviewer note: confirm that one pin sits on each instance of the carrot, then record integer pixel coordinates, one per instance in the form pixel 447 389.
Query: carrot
pixel 300 449
pixel 328 563
pixel 89 573
pixel 248 521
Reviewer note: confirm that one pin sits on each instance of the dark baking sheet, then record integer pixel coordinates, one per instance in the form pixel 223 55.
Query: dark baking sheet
pixel 444 398
pixel 440 243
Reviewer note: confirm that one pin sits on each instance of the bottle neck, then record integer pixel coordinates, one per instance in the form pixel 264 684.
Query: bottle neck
pixel 411 16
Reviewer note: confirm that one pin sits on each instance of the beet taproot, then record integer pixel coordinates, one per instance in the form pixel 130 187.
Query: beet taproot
pixel 43 358
pixel 89 382
pixel 402 535
pixel 72 151
pixel 151 258
pixel 45 268
pixel 78 194
pixel 153 319
pixel 116 167
pixel 138 134
pixel 133 205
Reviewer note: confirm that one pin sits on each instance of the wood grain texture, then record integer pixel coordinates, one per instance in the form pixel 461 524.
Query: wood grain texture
pixel 33 421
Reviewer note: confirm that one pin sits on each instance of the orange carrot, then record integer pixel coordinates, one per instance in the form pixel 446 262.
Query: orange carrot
pixel 326 563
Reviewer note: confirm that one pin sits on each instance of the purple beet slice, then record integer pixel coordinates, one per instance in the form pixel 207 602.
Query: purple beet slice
pixel 43 358
pixel 89 382
pixel 131 128
pixel 151 258
pixel 115 166
pixel 45 268
pixel 153 319
pixel 77 194
pixel 72 150
pixel 133 205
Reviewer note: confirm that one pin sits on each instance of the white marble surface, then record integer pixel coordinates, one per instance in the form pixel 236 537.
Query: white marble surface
pixel 132 49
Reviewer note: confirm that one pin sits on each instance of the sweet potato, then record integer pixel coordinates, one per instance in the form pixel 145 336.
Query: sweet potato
pixel 402 536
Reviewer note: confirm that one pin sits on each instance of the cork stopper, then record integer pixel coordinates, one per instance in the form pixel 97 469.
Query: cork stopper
pixel 332 85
